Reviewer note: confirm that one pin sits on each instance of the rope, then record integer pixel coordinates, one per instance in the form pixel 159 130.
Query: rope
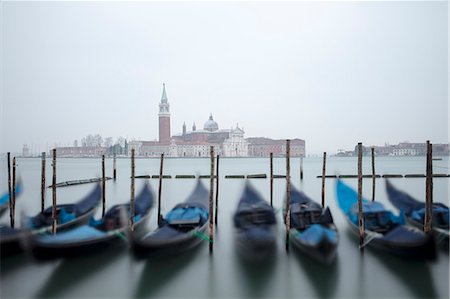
pixel 201 236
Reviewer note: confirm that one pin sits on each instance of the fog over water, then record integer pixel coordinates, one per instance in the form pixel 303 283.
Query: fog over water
pixel 332 73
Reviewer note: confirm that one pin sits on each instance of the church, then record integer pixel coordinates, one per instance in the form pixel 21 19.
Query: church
pixel 194 143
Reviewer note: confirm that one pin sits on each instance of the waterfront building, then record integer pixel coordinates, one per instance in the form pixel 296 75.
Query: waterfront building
pixel 262 147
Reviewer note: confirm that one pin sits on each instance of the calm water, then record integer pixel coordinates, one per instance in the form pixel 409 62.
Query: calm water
pixel 196 274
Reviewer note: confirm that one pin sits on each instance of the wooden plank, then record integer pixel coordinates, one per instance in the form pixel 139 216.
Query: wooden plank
pixel 257 176
pixel 184 176
pixel 235 176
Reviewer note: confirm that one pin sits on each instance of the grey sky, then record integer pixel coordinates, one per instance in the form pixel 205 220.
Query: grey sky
pixel 333 73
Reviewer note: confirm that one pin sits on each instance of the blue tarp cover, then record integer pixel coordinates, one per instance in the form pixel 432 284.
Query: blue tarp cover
pixel 186 214
pixel 315 233
pixel 348 202
pixel 84 232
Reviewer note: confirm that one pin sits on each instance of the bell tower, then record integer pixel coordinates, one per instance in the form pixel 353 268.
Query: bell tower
pixel 164 118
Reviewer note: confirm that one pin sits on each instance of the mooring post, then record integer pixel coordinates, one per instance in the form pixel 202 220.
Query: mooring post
pixel 114 167
pixel 161 163
pixel 271 179
pixel 217 192
pixel 132 192
pixel 288 191
pixel 360 207
pixel 43 183
pixel 13 192
pixel 323 178
pixel 301 168
pixel 10 189
pixel 211 203
pixel 54 193
pixel 429 190
pixel 103 186
pixel 373 173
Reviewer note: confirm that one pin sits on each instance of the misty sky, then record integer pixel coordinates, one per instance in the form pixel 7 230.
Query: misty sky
pixel 332 73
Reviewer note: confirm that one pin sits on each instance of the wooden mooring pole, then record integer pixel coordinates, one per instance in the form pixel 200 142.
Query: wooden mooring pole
pixel 10 189
pixel 323 178
pixel 54 216
pixel 288 192
pixel 373 173
pixel 271 179
pixel 217 192
pixel 132 192
pixel 301 168
pixel 114 167
pixel 13 192
pixel 43 182
pixel 161 165
pixel 360 207
pixel 429 190
pixel 103 186
pixel 211 202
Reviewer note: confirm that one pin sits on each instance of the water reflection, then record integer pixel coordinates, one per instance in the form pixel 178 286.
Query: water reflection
pixel 323 277
pixel 415 275
pixel 73 271
pixel 255 275
pixel 160 271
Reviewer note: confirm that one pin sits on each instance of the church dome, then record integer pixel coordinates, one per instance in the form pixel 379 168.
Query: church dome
pixel 211 125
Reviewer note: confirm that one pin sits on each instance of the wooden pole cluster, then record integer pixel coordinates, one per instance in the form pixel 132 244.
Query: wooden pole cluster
pixel 10 189
pixel 301 168
pixel 54 193
pixel 323 178
pixel 43 183
pixel 13 192
pixel 132 192
pixel 103 186
pixel 373 173
pixel 161 165
pixel 288 191
pixel 114 167
pixel 429 190
pixel 360 207
pixel 217 192
pixel 271 179
pixel 211 203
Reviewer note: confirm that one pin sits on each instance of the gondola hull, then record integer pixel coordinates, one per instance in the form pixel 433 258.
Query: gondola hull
pixel 144 248
pixel 259 249
pixel 423 250
pixel 324 251
pixel 184 227
pixel 45 251
pixel 12 241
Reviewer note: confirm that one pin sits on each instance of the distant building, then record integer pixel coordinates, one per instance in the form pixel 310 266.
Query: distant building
pixel 262 147
pixel 80 151
pixel 401 149
pixel 25 151
pixel 195 143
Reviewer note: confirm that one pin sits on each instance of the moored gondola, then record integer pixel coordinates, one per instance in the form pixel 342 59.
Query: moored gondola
pixel 382 229
pixel 255 226
pixel 4 199
pixel 98 234
pixel 312 230
pixel 68 216
pixel 414 211
pixel 182 228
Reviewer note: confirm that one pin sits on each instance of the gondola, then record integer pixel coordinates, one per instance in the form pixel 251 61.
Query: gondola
pixel 98 234
pixel 68 215
pixel 312 230
pixel 255 226
pixel 4 199
pixel 382 229
pixel 182 228
pixel 13 240
pixel 414 211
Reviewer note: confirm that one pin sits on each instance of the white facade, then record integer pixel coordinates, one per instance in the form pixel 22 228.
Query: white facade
pixel 197 150
pixel 405 152
pixel 235 145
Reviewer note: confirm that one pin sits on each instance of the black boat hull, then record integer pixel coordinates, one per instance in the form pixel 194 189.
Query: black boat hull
pixel 324 252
